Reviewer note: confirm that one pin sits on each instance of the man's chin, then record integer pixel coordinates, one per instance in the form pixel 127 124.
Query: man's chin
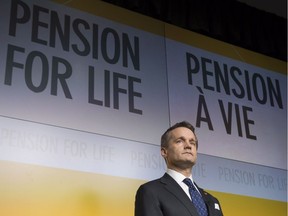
pixel 188 163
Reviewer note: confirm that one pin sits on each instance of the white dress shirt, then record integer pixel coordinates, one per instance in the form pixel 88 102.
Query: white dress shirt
pixel 178 177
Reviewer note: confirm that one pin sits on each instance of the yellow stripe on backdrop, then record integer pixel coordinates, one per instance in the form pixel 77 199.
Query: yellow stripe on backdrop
pixel 225 49
pixel 236 205
pixel 112 12
pixel 30 190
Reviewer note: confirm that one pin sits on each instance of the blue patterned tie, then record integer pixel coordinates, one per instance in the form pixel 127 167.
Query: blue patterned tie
pixel 196 198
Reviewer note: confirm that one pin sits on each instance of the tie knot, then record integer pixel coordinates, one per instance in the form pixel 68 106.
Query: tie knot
pixel 188 182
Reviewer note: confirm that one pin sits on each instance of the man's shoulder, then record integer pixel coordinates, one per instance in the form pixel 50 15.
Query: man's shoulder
pixel 156 183
pixel 152 183
pixel 163 179
pixel 149 187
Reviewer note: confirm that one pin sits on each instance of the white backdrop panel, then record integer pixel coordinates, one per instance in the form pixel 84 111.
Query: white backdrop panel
pixel 246 128
pixel 111 85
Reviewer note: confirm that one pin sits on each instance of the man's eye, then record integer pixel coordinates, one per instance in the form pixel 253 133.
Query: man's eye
pixel 193 143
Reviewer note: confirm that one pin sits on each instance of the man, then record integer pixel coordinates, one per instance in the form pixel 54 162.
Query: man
pixel 170 195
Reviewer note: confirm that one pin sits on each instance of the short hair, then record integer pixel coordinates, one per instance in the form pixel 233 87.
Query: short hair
pixel 166 136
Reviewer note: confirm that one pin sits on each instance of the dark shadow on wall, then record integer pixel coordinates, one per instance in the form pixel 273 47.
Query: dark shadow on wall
pixel 229 21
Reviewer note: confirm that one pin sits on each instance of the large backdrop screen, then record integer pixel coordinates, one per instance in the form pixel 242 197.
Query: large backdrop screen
pixel 86 98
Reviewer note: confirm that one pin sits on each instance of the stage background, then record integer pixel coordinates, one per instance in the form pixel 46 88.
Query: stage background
pixel 88 88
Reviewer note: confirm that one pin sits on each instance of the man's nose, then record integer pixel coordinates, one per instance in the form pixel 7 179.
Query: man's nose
pixel 188 144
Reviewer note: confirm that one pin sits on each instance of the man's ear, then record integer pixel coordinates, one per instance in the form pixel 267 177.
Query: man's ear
pixel 163 152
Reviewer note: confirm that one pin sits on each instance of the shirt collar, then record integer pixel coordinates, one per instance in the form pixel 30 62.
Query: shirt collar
pixel 178 177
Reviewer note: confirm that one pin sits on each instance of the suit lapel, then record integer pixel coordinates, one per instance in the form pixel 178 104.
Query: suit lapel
pixel 206 199
pixel 172 186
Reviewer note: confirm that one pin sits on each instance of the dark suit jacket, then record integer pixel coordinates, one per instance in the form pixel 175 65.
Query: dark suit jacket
pixel 165 197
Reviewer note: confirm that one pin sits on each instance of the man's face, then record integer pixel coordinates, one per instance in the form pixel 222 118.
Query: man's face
pixel 181 152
